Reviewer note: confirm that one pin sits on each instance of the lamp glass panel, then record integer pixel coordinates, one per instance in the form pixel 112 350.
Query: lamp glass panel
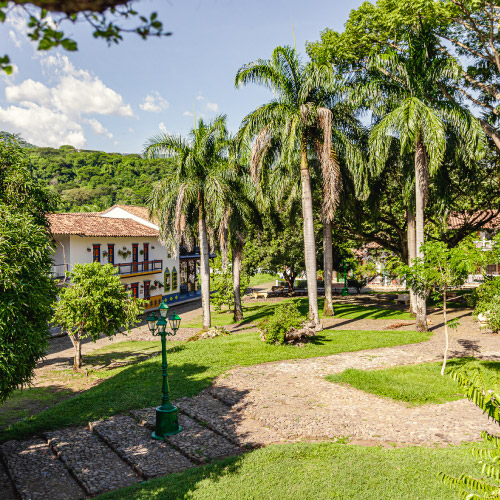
pixel 174 321
pixel 163 310
pixel 162 325
pixel 151 322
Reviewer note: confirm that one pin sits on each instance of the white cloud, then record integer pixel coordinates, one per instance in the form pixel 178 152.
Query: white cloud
pixel 212 107
pixel 131 130
pixel 116 143
pixel 53 115
pixel 187 113
pixel 154 103
pixel 200 98
pixel 99 129
pixel 42 126
pixel 29 92
pixel 15 40
pixel 163 128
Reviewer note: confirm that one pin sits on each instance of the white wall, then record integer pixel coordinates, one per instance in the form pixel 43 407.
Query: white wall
pixel 119 213
pixel 77 253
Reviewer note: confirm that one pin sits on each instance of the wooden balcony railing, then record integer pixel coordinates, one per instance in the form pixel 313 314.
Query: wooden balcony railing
pixel 147 266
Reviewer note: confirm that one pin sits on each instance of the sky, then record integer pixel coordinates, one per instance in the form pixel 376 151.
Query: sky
pixel 114 98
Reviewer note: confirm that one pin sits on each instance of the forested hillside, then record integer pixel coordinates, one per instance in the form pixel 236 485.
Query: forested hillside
pixel 93 180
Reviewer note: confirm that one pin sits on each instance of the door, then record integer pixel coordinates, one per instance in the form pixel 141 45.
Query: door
pixel 111 253
pixel 96 253
pixel 146 256
pixel 135 290
pixel 135 256
pixel 147 293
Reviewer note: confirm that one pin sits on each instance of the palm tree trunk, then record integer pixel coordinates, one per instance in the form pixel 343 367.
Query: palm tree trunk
pixel 445 355
pixel 328 267
pixel 204 264
pixel 224 250
pixel 237 258
pixel 421 172
pixel 412 253
pixel 309 242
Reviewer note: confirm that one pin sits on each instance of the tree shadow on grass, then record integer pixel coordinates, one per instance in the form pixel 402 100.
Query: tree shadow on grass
pixel 134 387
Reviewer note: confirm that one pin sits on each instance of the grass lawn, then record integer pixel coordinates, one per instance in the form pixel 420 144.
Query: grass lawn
pixel 415 384
pixel 261 279
pixel 192 367
pixel 257 311
pixel 315 470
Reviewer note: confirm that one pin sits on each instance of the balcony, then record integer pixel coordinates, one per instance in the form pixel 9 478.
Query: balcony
pixel 58 271
pixel 145 267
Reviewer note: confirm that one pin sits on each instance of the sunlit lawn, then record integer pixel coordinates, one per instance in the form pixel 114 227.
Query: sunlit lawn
pixel 255 312
pixel 261 279
pixel 315 471
pixel 415 384
pixel 128 381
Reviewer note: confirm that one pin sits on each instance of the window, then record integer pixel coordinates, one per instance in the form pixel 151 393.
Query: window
pixel 167 280
pixel 147 293
pixel 135 290
pixel 135 256
pixel 111 253
pixel 146 255
pixel 491 268
pixel 96 253
pixel 174 279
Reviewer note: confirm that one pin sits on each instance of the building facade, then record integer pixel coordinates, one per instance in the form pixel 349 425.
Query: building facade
pixel 126 238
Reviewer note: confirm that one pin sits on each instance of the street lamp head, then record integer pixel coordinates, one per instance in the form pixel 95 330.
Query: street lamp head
pixel 163 310
pixel 175 321
pixel 162 325
pixel 152 322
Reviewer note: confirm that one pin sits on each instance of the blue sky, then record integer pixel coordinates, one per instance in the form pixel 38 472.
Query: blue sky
pixel 114 98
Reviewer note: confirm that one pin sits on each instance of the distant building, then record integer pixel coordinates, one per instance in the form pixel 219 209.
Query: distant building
pixel 125 237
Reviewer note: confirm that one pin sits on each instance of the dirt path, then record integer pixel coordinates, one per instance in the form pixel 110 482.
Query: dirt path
pixel 294 400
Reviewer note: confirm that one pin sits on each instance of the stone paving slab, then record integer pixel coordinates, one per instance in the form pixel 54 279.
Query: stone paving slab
pixel 6 487
pixel 227 421
pixel 196 442
pixel 97 468
pixel 135 445
pixel 37 473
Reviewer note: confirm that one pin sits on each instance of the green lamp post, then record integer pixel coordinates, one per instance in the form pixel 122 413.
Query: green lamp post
pixel 345 290
pixel 167 422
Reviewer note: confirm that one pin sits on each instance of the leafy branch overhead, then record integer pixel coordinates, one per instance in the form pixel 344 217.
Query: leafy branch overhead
pixel 109 20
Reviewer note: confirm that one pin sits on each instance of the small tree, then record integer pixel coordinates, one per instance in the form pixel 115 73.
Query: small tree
pixel 95 303
pixel 440 269
pixel 362 275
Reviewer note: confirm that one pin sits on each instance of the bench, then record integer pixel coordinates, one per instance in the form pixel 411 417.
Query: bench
pixel 260 295
pixel 403 298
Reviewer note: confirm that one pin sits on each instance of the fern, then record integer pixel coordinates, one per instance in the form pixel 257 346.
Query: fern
pixel 484 392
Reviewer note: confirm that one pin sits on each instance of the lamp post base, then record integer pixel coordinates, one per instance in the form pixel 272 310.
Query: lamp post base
pixel 167 423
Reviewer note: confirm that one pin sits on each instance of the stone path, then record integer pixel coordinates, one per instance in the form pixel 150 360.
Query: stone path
pixel 245 408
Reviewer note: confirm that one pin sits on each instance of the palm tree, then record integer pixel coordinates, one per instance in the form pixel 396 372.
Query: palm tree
pixel 291 122
pixel 406 90
pixel 193 194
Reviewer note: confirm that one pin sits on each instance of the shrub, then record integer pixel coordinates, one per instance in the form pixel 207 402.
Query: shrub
pixel 486 300
pixel 484 391
pixel 286 315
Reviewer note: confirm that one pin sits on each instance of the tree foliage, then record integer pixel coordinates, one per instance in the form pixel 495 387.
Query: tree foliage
pixel 108 19
pixel 94 304
pixel 484 392
pixel 26 289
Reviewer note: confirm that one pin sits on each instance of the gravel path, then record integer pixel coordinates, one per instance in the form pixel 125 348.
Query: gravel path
pixel 294 399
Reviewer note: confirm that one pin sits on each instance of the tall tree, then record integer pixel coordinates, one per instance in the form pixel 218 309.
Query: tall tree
pixel 27 291
pixel 416 111
pixel 291 122
pixel 193 195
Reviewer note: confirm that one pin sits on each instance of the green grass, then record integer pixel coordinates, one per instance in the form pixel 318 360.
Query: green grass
pixel 261 279
pixel 192 367
pixel 315 471
pixel 415 384
pixel 22 404
pixel 258 311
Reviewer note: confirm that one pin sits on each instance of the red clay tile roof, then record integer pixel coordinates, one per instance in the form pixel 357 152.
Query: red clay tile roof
pixel 457 220
pixel 92 224
pixel 141 212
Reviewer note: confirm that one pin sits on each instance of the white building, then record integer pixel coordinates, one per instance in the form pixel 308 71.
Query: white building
pixel 125 237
